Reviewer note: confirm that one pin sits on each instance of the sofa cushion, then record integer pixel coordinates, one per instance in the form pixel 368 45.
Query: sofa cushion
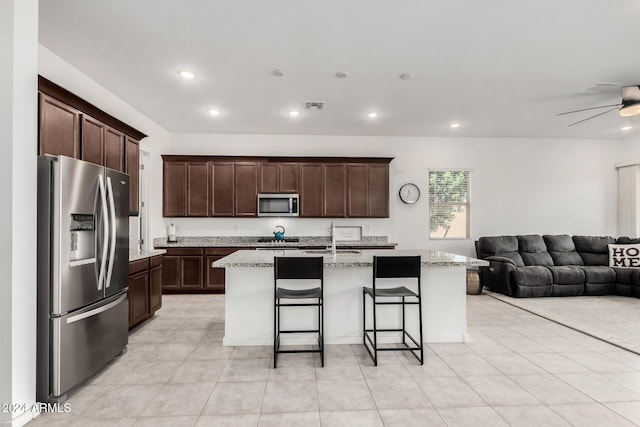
pixel 562 249
pixel 504 246
pixel 532 276
pixel 594 250
pixel 533 250
pixel 627 240
pixel 599 274
pixel 624 255
pixel 567 275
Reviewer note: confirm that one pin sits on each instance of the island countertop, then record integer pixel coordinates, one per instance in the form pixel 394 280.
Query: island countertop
pixel 363 258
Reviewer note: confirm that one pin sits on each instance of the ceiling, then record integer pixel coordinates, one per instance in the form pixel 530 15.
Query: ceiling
pixel 501 68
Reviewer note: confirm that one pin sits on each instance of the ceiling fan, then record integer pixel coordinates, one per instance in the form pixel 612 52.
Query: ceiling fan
pixel 630 105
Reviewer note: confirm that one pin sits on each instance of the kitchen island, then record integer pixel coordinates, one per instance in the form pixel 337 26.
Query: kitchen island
pixel 249 297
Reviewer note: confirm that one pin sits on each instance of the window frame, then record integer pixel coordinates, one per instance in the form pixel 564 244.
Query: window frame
pixel 467 205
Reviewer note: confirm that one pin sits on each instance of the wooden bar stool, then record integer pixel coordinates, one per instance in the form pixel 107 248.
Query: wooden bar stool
pixel 298 268
pixel 393 267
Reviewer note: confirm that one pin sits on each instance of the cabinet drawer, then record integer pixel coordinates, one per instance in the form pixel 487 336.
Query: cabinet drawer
pixel 184 251
pixel 139 265
pixel 155 261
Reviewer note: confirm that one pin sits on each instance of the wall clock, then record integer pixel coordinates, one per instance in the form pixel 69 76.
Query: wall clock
pixel 409 193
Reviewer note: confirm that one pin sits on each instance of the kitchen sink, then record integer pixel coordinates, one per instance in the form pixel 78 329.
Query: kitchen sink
pixel 328 251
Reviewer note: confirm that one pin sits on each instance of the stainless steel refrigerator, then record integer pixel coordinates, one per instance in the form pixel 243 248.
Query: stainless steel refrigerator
pixel 83 259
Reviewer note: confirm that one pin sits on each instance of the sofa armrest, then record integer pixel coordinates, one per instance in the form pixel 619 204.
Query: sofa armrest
pixel 497 276
pixel 500 259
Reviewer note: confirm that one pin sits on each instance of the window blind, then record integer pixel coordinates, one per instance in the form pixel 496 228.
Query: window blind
pixel 448 204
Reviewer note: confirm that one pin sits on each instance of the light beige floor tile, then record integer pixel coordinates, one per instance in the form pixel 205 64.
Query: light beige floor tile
pixel 559 344
pixel 101 422
pixel 290 396
pixel 351 419
pixel 385 371
pixel 513 364
pixel 401 393
pixel 555 363
pixel 252 352
pixel 624 356
pixel 179 399
pixel 630 380
pixel 411 418
pixel 198 371
pixel 524 345
pixel 599 388
pixel 143 336
pixel 123 401
pixel 343 368
pixel 210 351
pixel 449 392
pixel 450 348
pixel 245 420
pixel 346 394
pixel 246 370
pixel 299 419
pixel 501 390
pixel 185 336
pixel 597 362
pixel 550 389
pixel 335 351
pixel 235 398
pixel 433 366
pixel 165 422
pixel 629 410
pixel 531 416
pixel 471 417
pixel 469 364
pixel 172 351
pixel 488 346
pixel 590 415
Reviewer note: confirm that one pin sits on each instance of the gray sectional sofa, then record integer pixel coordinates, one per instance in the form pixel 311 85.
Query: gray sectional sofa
pixel 555 265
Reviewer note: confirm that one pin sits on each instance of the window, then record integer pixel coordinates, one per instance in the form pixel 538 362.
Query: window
pixel 448 204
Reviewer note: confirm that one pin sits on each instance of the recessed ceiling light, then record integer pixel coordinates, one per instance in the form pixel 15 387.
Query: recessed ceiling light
pixel 294 113
pixel 454 125
pixel 406 76
pixel 278 73
pixel 185 74
pixel 372 115
pixel 342 74
pixel 625 128
pixel 213 112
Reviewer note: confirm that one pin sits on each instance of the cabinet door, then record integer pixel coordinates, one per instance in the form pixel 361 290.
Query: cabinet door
pixel 174 188
pixel 171 272
pixel 358 190
pixel 197 189
pixel 214 279
pixel 334 180
pixel 92 149
pixel 311 189
pixel 114 149
pixel 378 191
pixel 132 168
pixel 59 128
pixel 269 178
pixel 222 188
pixel 191 271
pixel 288 177
pixel 246 189
pixel 155 288
pixel 138 297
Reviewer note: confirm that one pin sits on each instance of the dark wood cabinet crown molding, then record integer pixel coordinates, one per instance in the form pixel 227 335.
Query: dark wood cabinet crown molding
pixel 269 159
pixel 60 93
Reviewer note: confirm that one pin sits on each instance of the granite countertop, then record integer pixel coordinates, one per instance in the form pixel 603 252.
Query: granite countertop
pixel 364 258
pixel 138 255
pixel 252 242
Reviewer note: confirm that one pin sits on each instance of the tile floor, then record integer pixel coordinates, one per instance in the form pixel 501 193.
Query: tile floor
pixel 519 370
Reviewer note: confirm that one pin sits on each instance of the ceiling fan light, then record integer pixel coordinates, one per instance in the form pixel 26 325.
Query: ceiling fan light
pixel 630 110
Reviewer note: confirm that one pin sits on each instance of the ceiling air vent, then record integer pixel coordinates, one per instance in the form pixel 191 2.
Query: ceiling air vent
pixel 315 105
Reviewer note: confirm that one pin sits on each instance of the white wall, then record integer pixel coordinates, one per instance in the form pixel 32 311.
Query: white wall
pixel 518 186
pixel 18 125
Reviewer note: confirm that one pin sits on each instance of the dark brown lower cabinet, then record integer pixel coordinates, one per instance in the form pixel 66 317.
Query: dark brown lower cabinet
pixel 145 289
pixel 214 277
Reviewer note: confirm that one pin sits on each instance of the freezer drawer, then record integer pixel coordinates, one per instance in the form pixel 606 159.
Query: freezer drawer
pixel 85 340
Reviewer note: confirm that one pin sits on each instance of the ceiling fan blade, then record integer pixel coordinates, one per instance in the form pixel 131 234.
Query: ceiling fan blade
pixel 631 93
pixel 587 109
pixel 592 117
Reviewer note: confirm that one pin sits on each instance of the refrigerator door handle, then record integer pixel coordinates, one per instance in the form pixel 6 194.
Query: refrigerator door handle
pixel 96 311
pixel 105 237
pixel 112 225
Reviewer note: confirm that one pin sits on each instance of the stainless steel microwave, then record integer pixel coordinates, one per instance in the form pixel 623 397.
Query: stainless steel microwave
pixel 278 204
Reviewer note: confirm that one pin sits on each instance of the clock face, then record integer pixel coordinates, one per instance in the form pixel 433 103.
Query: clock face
pixel 409 193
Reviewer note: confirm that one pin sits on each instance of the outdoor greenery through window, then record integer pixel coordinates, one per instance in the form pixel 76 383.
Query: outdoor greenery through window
pixel 448 204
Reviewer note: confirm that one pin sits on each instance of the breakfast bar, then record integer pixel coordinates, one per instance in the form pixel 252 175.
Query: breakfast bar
pixel 249 296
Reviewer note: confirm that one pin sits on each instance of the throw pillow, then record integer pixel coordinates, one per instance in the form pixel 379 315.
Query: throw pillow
pixel 624 256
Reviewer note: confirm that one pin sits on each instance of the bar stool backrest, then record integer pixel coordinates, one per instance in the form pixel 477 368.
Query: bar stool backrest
pixel 385 267
pixel 298 268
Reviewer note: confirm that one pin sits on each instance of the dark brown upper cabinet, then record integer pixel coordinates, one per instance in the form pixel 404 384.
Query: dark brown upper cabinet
pixel 92 148
pixel 174 189
pixel 311 196
pixel 222 188
pixel 246 188
pixel 358 190
pixel 279 177
pixel 132 168
pixel 334 188
pixel 197 189
pixel 378 204
pixel 114 150
pixel 59 128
